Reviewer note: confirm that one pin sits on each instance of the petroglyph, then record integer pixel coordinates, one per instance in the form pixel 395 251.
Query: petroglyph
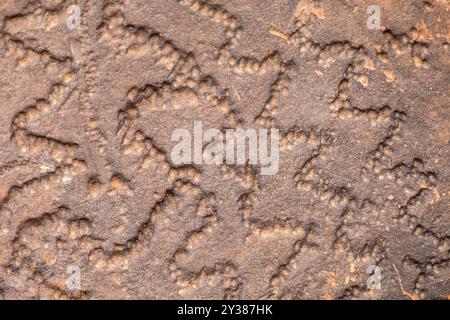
pixel 87 181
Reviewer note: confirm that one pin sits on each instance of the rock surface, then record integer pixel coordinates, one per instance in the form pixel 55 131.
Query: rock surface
pixel 92 207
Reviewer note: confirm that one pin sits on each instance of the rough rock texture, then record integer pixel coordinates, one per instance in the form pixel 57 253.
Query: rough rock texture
pixel 86 178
